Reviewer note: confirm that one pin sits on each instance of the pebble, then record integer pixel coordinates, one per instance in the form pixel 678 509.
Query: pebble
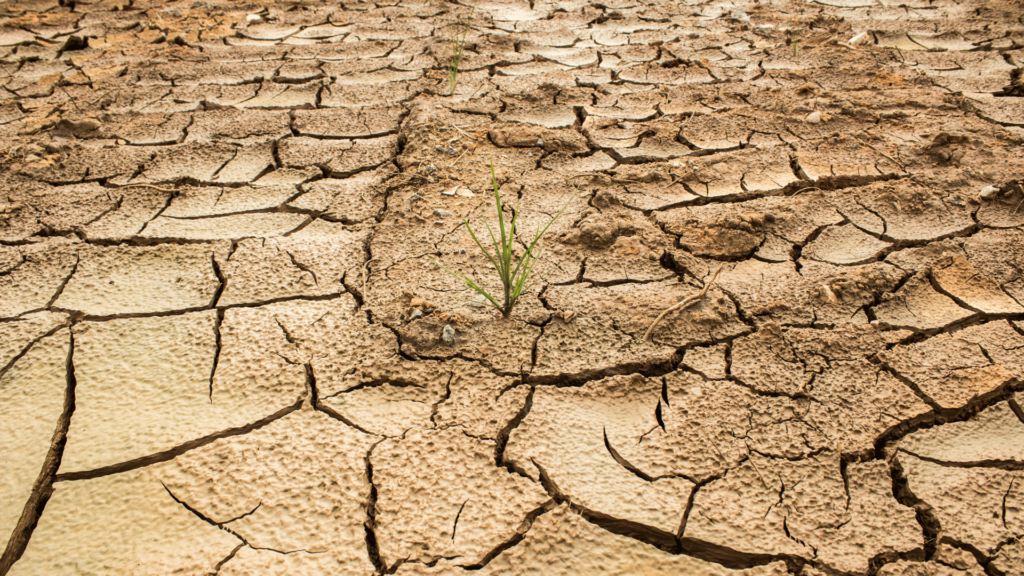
pixel 452 191
pixel 859 39
pixel 813 118
pixel 989 192
pixel 442 213
pixel 416 314
pixel 253 18
pixel 448 335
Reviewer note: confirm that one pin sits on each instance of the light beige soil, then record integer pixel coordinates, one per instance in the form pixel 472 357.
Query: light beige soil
pixel 225 347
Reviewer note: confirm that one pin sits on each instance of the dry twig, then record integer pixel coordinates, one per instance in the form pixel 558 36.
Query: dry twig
pixel 684 302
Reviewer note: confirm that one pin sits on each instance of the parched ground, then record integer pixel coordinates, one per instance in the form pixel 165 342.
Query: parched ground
pixel 225 348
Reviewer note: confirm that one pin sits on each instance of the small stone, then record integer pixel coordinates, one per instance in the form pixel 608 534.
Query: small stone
pixel 540 142
pixel 442 213
pixel 416 314
pixel 813 118
pixel 448 335
pixel 859 39
pixel 989 192
pixel 466 193
pixel 452 191
pixel 253 18
pixel 430 168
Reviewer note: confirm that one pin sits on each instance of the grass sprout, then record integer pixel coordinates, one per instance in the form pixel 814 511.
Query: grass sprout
pixel 514 272
pixel 458 29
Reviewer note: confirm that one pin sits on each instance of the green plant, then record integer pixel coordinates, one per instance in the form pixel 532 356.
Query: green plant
pixel 794 35
pixel 513 279
pixel 458 29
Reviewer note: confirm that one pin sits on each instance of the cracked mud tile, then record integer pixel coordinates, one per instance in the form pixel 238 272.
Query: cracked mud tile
pixel 994 435
pixel 1009 559
pixel 738 173
pixel 480 402
pixel 311 263
pixel 957 277
pixel 768 226
pixel 569 439
pixel 124 523
pixel 141 279
pixel 845 245
pixel 873 525
pixel 295 490
pixel 909 211
pixel 196 161
pixel 137 207
pixel 802 509
pixel 255 225
pixel 709 427
pixel 41 271
pixel 777 292
pixel 146 129
pixel 348 122
pixel 32 395
pixel 657 143
pixel 633 307
pixel 334 337
pixel 235 126
pixel 197 202
pixel 283 96
pixel 709 361
pixel 392 397
pixel 1000 342
pixel 65 208
pixel 951 371
pixel 503 345
pixel 440 495
pixel 977 507
pixel 855 403
pixel 561 542
pixel 778 360
pixel 150 385
pixel 999 255
pixel 967 567
pixel 340 158
pixel 605 237
pixel 589 347
pixel 844 156
pixel 354 199
pixel 249 162
pixel 19 334
pixel 115 163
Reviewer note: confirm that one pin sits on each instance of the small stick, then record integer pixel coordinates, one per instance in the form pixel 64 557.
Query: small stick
pixel 890 158
pixel 684 302
pixel 464 133
pixel 151 186
pixel 365 276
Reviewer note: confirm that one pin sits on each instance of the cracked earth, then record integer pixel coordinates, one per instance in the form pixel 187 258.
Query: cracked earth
pixel 224 347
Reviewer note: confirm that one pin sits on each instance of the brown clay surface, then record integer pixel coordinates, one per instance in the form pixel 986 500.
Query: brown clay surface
pixel 226 348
